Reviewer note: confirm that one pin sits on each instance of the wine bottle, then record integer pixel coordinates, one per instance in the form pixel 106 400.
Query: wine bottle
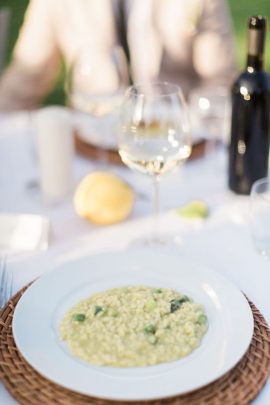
pixel 250 126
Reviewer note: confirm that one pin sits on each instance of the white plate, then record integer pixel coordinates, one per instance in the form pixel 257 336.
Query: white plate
pixel 39 311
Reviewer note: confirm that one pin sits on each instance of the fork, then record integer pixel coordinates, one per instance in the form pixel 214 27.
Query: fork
pixel 6 280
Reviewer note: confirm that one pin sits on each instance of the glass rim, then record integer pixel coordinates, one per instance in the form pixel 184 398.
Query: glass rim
pixel 131 90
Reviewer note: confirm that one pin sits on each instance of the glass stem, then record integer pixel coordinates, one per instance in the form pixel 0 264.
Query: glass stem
pixel 156 209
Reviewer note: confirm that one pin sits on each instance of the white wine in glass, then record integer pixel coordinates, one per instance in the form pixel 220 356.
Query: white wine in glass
pixel 154 136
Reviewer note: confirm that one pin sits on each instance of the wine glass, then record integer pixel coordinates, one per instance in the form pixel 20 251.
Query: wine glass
pixel 95 88
pixel 154 136
pixel 210 115
pixel 260 215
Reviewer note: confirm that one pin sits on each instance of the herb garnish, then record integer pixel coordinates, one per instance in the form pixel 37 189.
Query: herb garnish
pixel 177 303
pixel 98 309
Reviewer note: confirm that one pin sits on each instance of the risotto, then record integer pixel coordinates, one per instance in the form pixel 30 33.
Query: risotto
pixel 134 326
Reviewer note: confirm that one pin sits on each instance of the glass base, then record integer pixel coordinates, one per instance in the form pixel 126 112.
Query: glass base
pixel 264 252
pixel 32 188
pixel 165 241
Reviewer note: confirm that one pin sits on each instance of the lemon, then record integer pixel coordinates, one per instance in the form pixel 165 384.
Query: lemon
pixel 103 198
pixel 195 209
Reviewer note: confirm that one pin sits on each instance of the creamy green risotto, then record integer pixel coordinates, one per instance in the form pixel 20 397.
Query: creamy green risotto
pixel 134 326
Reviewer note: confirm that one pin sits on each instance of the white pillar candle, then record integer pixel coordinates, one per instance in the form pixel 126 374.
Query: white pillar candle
pixel 54 141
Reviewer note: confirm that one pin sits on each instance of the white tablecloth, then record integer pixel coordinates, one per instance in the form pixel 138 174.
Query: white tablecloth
pixel 222 241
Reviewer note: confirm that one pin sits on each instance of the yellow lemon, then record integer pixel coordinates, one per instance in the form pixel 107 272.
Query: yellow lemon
pixel 103 198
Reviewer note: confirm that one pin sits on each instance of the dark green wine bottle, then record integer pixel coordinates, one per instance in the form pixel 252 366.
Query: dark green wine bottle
pixel 250 125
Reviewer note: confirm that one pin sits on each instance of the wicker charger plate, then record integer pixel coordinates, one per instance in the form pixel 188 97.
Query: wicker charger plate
pixel 93 152
pixel 237 387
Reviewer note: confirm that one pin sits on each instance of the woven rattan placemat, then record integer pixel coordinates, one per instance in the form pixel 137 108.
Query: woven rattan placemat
pixel 112 156
pixel 237 387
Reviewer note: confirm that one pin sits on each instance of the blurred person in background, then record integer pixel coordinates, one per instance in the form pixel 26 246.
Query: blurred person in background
pixel 188 42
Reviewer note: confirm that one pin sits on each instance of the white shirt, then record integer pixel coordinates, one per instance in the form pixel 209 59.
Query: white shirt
pixel 188 42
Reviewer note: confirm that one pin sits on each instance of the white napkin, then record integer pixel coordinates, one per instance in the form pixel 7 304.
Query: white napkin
pixel 23 233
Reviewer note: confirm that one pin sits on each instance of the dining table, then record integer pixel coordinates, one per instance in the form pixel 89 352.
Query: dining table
pixel 220 241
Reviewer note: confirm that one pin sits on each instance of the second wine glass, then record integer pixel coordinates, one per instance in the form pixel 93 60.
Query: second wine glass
pixel 95 86
pixel 154 136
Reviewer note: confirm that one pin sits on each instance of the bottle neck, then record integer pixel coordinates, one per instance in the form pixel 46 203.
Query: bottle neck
pixel 255 62
pixel 255 57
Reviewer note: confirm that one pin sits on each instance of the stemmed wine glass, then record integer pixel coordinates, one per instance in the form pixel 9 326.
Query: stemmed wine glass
pixel 154 136
pixel 260 216
pixel 210 116
pixel 95 87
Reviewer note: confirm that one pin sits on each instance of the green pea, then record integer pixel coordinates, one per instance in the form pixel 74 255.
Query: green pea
pixel 151 329
pixel 113 312
pixel 202 319
pixel 150 305
pixel 79 317
pixel 152 339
